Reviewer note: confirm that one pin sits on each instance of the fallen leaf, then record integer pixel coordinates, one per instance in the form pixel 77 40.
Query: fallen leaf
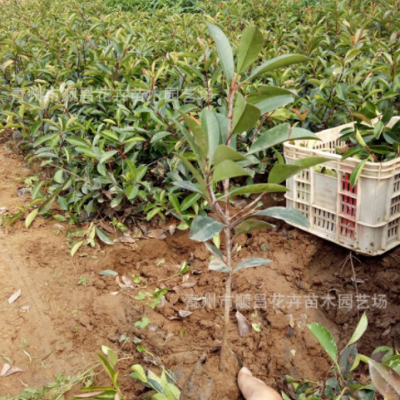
pixel 22 191
pixel 3 210
pixel 106 228
pixel 123 285
pixel 108 272
pixel 257 327
pixel 89 395
pixel 185 285
pixel 184 313
pixel 14 296
pixel 172 229
pixel 9 370
pixel 243 325
pixel 126 239
pixel 127 281
pixel 157 234
pixel 291 320
pixel 137 233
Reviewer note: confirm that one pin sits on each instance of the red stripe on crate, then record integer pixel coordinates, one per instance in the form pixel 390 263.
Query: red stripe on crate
pixel 347 228
pixel 346 184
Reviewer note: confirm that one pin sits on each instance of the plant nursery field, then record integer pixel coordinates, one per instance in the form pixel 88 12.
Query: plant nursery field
pixel 146 250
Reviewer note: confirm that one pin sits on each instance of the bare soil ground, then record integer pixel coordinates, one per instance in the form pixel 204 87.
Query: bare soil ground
pixel 67 323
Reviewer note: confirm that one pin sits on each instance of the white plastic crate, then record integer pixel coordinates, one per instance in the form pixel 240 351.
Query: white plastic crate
pixel 365 218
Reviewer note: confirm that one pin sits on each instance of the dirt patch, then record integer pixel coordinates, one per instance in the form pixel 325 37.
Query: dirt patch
pixel 67 323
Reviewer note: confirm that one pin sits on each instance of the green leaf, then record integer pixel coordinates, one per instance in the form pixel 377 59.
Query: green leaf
pixel 108 272
pixel 244 115
pixel 259 188
pixel 272 91
pixel 326 340
pixel 158 136
pixel 190 200
pixel 194 172
pixel 204 228
pixel 187 186
pixel 280 172
pixel 251 43
pixel 219 266
pixel 278 62
pixel 252 225
pixel 103 236
pixel 58 176
pixel 107 155
pixel 361 328
pixel 142 323
pixel 210 125
pixel 214 250
pixel 76 247
pixel 199 135
pixel 355 174
pixel 378 128
pixel 29 219
pixel 288 215
pixel 224 50
pixel 140 372
pixel 385 379
pixel 252 262
pixel 131 192
pixel 16 217
pixel 224 152
pixel 228 169
pixel 279 134
pixel 269 103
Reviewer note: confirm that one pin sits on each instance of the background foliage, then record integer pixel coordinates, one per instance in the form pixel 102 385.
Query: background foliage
pixel 69 72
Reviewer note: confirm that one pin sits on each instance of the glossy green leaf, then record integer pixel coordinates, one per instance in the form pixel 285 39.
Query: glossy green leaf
pixel 29 219
pixel 204 228
pixel 219 266
pixel 259 188
pixel 103 236
pixel 210 125
pixel 245 115
pixel 224 152
pixel 194 172
pixel 325 339
pixel 224 50
pixel 214 250
pixel 228 169
pixel 251 43
pixel 288 215
pixel 361 328
pixel 279 134
pixel 269 103
pixel 199 135
pixel 187 186
pixel 278 62
pixel 76 247
pixel 355 174
pixel 252 225
pixel 280 172
pixel 252 262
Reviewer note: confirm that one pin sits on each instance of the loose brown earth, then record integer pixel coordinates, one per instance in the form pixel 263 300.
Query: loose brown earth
pixel 67 323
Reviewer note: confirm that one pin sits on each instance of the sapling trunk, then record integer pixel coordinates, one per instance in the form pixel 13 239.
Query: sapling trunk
pixel 228 286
